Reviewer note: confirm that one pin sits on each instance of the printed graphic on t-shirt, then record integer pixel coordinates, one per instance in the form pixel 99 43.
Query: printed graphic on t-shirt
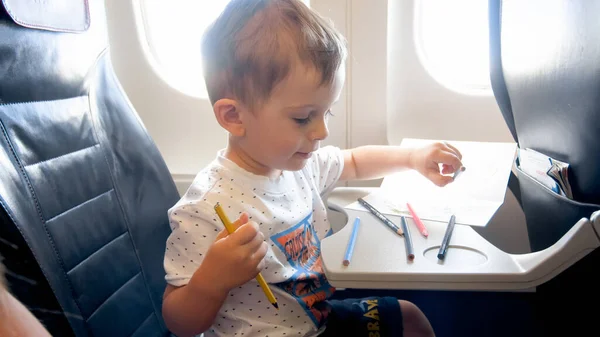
pixel 308 285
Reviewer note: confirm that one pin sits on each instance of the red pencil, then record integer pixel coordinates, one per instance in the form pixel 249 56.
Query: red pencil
pixel 417 221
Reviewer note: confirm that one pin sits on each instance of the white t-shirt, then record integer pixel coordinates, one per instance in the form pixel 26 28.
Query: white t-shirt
pixel 293 218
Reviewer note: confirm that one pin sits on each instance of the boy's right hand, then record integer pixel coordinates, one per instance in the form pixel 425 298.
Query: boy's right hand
pixel 234 259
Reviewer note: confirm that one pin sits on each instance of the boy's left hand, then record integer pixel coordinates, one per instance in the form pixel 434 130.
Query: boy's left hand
pixel 427 159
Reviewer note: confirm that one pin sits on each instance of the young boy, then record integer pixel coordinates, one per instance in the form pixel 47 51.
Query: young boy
pixel 273 70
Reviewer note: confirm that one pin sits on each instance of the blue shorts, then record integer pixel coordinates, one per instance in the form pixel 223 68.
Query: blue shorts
pixel 364 317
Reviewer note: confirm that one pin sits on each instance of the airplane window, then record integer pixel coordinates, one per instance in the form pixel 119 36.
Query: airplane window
pixel 452 42
pixel 173 31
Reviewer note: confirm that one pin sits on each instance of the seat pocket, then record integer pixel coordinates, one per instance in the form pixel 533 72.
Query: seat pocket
pixel 549 215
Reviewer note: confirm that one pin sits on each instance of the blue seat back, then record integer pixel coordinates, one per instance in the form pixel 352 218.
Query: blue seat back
pixel 84 191
pixel 545 77
pixel 545 73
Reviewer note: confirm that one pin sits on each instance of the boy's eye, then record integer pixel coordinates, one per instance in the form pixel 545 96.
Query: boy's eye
pixel 302 121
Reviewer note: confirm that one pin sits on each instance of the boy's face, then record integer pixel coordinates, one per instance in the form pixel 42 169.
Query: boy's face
pixel 284 132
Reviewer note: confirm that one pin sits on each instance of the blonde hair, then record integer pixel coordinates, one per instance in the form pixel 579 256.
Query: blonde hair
pixel 253 44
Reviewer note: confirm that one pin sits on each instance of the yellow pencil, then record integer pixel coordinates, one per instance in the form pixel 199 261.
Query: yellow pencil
pixel 259 278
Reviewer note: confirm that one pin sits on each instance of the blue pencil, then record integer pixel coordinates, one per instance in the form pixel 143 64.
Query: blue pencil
pixel 446 240
pixel 410 253
pixel 351 242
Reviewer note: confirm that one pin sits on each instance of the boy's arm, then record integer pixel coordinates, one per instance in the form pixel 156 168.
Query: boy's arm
pixel 230 261
pixel 191 309
pixel 371 162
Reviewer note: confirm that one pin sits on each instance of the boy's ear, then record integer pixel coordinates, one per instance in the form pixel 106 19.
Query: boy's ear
pixel 229 115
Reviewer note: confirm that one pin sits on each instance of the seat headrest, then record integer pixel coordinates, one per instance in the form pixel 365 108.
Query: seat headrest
pixel 70 16
pixel 51 59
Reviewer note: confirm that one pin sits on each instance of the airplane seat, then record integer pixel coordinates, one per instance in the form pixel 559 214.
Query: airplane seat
pixel 545 80
pixel 545 76
pixel 84 191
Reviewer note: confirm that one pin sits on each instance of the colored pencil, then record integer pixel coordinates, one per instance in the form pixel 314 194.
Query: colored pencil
pixel 259 278
pixel 417 221
pixel 446 241
pixel 381 217
pixel 351 242
pixel 410 254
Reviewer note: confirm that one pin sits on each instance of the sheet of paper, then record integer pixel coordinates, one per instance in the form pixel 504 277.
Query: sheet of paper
pixel 473 197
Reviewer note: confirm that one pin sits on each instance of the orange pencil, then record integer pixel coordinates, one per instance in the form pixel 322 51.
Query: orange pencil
pixel 417 221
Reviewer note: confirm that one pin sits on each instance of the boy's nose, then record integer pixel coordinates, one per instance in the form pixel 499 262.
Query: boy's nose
pixel 321 131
